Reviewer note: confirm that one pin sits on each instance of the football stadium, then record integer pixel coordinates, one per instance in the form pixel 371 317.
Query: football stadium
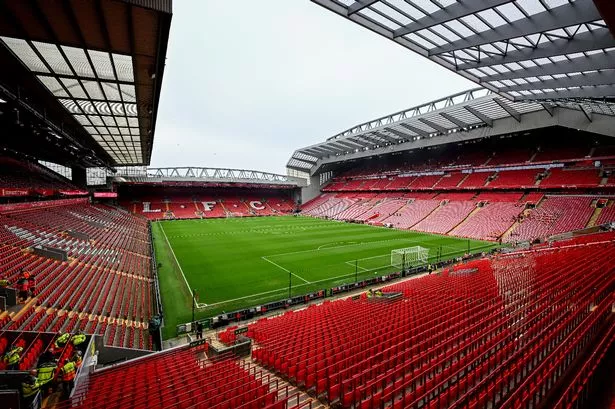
pixel 455 254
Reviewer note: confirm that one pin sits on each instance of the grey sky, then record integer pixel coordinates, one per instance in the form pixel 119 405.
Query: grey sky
pixel 247 82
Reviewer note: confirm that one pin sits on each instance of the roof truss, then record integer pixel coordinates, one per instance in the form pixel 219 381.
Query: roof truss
pixel 487 41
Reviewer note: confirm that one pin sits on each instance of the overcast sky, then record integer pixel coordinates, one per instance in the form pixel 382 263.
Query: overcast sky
pixel 247 82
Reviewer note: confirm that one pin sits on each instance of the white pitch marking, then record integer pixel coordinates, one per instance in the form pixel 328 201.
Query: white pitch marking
pixel 288 271
pixel 176 261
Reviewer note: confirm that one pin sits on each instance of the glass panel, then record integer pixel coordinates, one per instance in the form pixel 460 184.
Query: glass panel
pixel 131 109
pixel 96 120
pixel 128 93
pixel 111 91
pixel 53 57
pixel 25 53
pixel 73 86
pixel 78 60
pixel 123 67
pixel 93 89
pixel 102 64
pixel 87 107
pixel 109 120
pixel 121 121
pixel 53 86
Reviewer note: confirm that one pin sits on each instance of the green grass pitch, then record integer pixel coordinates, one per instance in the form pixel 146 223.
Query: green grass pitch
pixel 241 262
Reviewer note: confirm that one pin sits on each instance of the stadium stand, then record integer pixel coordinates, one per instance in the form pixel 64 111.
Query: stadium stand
pixel 446 217
pixel 412 213
pixel 451 342
pixel 560 178
pixel 556 214
pixel 198 203
pixel 196 382
pixel 24 178
pixel 105 286
pixel 490 222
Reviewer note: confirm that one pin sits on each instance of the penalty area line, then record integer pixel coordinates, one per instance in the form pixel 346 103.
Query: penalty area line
pixel 288 271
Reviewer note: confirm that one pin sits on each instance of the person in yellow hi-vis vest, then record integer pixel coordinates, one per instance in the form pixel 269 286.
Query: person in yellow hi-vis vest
pixel 12 358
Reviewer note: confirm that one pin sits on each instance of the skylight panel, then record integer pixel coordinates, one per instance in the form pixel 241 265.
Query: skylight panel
pixel 53 86
pixel 475 23
pixel 511 12
pixel 111 91
pixel 380 19
pixel 492 18
pixel 128 93
pixel 93 89
pixel 394 14
pixel 25 53
pixel 123 67
pixel 53 58
pixel 532 7
pixel 78 61
pixel 102 64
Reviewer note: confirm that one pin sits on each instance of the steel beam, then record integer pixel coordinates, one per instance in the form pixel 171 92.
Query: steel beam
pixel 454 120
pixel 452 12
pixel 600 91
pixel 360 5
pixel 311 152
pixel 337 144
pixel 488 121
pixel 364 142
pixel 511 111
pixel 579 12
pixel 416 130
pixel 592 62
pixel 433 125
pixel 385 137
pixel 593 78
pixel 398 133
pixel 588 41
pixel 350 144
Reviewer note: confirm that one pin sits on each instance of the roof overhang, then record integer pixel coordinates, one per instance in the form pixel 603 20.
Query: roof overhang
pixel 101 60
pixel 201 175
pixel 523 50
pixel 469 115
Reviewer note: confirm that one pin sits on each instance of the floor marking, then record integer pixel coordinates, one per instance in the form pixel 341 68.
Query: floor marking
pixel 288 271
pixel 176 261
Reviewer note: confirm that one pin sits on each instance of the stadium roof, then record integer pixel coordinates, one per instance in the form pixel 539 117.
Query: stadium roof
pixel 521 49
pixel 468 115
pixel 101 60
pixel 196 174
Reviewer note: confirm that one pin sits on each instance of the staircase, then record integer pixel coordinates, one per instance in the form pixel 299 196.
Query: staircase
pixel 287 389
pixel 514 226
pixel 464 179
pixel 595 216
pixel 464 221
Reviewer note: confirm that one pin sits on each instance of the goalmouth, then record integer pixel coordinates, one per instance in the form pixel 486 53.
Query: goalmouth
pixel 409 257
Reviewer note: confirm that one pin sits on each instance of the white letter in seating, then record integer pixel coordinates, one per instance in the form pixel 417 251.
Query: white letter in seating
pixel 208 206
pixel 257 205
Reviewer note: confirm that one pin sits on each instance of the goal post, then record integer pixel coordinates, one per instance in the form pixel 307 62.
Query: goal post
pixel 409 257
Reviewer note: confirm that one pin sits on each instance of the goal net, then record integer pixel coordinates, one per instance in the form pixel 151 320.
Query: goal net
pixel 409 257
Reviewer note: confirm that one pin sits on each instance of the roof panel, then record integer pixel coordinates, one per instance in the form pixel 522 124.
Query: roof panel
pixel 480 39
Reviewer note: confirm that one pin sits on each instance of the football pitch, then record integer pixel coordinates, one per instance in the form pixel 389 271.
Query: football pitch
pixel 242 262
